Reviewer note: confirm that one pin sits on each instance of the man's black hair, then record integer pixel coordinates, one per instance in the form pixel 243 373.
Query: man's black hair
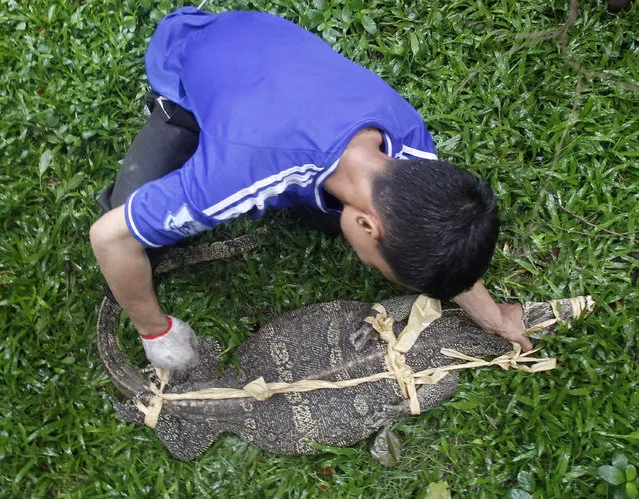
pixel 440 225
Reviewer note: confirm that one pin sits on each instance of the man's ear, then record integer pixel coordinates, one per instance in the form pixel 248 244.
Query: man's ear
pixel 370 224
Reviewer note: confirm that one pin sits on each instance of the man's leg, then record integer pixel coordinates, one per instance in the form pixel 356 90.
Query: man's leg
pixel 167 140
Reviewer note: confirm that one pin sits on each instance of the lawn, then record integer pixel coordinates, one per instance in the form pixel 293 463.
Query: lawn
pixel 540 100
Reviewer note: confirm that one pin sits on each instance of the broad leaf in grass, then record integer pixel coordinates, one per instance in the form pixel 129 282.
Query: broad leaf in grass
pixel 631 473
pixel 386 447
pixel 75 182
pixel 438 490
pixel 368 24
pixel 526 481
pixel 45 161
pixel 611 474
pixel 620 461
pixel 519 494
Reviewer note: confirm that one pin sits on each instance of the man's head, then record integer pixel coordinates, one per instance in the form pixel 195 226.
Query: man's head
pixel 434 228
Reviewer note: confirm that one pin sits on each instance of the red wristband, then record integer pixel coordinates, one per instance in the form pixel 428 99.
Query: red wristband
pixel 159 335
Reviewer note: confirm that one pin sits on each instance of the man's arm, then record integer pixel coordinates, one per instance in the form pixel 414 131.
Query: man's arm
pixel 504 320
pixel 127 271
pixel 168 342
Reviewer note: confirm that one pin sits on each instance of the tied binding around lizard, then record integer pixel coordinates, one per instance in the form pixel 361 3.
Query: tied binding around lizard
pixel 424 311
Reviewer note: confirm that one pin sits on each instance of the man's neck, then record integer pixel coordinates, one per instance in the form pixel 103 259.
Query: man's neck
pixel 352 180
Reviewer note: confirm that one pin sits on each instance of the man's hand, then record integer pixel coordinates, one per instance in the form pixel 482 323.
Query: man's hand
pixel 503 319
pixel 174 348
pixel 512 325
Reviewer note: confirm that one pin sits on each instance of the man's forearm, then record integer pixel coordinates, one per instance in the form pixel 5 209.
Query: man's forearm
pixel 480 307
pixel 127 270
pixel 504 320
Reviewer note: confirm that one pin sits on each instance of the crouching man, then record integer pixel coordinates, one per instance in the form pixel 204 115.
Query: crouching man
pixel 250 112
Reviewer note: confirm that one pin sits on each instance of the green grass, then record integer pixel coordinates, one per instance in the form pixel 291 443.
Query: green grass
pixel 497 99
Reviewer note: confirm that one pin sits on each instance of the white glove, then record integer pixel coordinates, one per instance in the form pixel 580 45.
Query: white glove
pixel 173 349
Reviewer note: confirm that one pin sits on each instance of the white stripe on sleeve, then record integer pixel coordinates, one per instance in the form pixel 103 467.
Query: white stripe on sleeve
pixel 259 200
pixel 389 145
pixel 417 153
pixel 214 210
pixel 320 180
pixel 127 213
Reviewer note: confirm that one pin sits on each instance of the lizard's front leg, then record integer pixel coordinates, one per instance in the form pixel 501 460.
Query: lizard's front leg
pixel 398 309
pixel 429 397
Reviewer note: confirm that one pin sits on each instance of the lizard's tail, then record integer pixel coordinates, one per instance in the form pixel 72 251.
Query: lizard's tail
pixel 127 379
pixel 544 316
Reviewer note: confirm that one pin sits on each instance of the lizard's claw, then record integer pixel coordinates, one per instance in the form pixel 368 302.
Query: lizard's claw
pixel 389 413
pixel 360 338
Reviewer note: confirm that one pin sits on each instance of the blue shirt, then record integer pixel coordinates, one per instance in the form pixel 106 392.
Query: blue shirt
pixel 276 106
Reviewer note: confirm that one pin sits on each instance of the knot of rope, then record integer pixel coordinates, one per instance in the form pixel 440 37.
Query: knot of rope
pixel 152 410
pixel 425 310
